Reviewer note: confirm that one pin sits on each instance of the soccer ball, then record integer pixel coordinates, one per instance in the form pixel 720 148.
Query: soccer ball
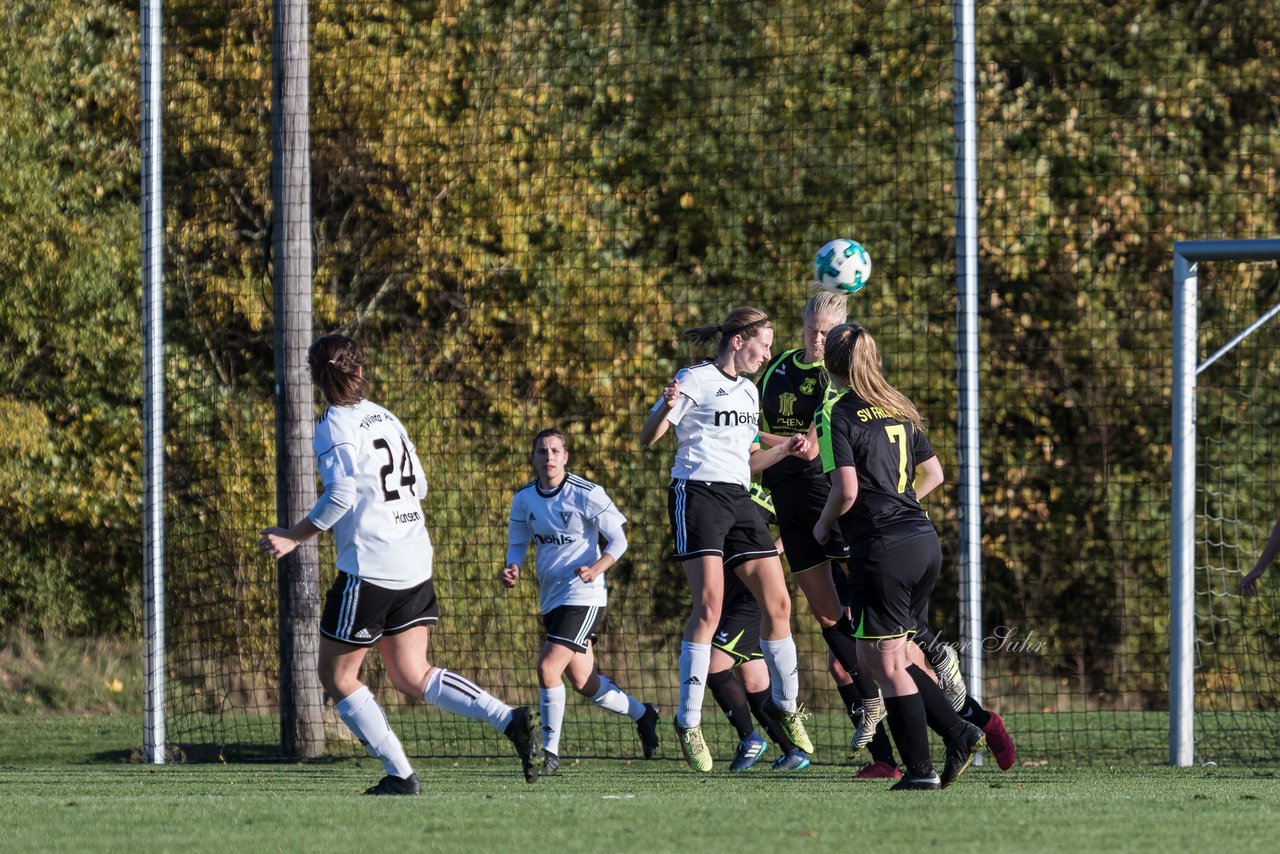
pixel 842 266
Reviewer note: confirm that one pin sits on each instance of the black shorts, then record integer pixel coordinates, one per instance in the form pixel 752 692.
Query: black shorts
pixel 573 626
pixel 891 586
pixel 717 519
pixel 358 613
pixel 738 632
pixel 798 501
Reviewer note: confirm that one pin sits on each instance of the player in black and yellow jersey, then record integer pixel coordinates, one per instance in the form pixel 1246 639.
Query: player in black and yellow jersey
pixel 791 391
pixel 872 444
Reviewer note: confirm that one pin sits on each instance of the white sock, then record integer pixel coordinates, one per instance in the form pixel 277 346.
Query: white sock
pixel 364 717
pixel 551 701
pixel 780 656
pixel 611 698
pixel 695 658
pixel 458 694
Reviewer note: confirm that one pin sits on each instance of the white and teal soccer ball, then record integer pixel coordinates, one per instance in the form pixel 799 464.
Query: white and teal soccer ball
pixel 842 266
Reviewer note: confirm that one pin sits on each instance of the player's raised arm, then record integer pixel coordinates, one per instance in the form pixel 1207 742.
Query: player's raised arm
pixel 655 426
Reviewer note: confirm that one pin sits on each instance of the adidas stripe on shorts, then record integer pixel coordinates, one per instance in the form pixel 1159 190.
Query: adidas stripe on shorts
pixel 573 626
pixel 717 519
pixel 358 613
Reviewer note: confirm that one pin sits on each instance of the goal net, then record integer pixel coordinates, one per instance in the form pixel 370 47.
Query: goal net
pixel 1237 409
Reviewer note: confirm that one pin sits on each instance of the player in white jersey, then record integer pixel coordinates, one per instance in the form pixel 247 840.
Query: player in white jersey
pixel 565 516
pixel 383 595
pixel 716 412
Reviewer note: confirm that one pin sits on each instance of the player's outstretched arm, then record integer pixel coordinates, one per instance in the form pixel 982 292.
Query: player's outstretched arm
pixel 279 542
pixel 1249 584
pixel 797 445
pixel 768 440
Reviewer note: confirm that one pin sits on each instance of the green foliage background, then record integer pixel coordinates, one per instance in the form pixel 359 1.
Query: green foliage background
pixel 518 205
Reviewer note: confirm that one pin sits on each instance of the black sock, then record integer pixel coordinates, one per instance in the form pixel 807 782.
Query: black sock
pixel 906 720
pixel 880 747
pixel 840 641
pixel 974 713
pixel 757 699
pixel 938 712
pixel 851 697
pixel 836 637
pixel 732 697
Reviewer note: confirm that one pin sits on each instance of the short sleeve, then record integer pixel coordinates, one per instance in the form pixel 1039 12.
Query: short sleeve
pixel 690 395
pixel 842 442
pixel 335 454
pixel 921 450
pixel 599 503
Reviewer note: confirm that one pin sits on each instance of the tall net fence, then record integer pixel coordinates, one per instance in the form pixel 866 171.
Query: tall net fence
pixel 1099 150
pixel 517 206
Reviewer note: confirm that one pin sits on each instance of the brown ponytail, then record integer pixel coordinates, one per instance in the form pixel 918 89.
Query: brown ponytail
pixel 337 367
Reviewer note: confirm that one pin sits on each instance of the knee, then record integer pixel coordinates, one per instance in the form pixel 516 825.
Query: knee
pixel 330 684
pixel 779 610
pixel 548 674
pixel 825 619
pixel 409 684
pixel 339 687
pixel 705 616
pixel 826 613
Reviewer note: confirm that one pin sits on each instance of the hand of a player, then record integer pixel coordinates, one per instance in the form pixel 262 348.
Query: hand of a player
pixel 274 542
pixel 798 445
pixel 821 533
pixel 587 574
pixel 510 575
pixel 1249 584
pixel 671 393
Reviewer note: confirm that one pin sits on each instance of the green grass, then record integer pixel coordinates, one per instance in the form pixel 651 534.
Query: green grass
pixel 98 674
pixel 66 789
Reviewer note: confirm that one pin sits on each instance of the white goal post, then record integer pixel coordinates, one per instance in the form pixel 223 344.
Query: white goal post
pixel 1187 254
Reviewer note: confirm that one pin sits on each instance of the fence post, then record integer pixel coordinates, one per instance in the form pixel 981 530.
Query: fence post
pixel 301 699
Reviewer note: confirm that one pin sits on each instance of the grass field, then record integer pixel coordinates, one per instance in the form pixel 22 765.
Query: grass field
pixel 66 788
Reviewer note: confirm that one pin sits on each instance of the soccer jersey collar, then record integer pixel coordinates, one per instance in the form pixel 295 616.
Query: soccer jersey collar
pixel 550 493
pixel 799 362
pixel 725 374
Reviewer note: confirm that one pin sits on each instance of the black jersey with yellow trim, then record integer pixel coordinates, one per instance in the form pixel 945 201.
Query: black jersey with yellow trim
pixel 791 392
pixel 884 450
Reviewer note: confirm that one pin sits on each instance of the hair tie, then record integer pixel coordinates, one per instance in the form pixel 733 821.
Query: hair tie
pixel 719 329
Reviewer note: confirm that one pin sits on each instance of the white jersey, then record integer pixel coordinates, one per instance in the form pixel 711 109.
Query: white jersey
pixel 717 419
pixel 382 538
pixel 565 526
